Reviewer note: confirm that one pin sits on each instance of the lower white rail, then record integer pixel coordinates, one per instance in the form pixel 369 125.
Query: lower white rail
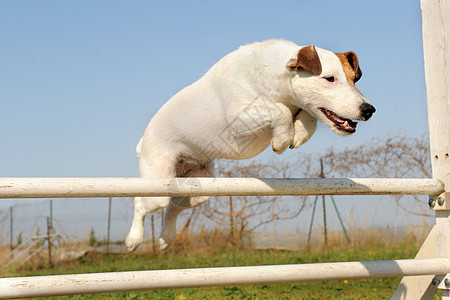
pixel 56 285
pixel 136 187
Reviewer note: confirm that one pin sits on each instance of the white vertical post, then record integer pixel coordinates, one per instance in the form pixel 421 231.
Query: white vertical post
pixel 436 48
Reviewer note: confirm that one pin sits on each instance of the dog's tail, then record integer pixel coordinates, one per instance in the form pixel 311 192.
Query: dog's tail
pixel 139 148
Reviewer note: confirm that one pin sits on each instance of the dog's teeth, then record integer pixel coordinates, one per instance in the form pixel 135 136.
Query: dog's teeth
pixel 346 124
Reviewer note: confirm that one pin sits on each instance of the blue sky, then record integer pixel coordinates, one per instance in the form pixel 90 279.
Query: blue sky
pixel 79 80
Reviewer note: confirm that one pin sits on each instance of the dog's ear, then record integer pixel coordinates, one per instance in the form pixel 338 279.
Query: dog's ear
pixel 306 59
pixel 349 59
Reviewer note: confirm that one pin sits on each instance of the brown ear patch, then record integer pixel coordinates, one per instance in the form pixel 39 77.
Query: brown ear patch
pixel 349 62
pixel 307 60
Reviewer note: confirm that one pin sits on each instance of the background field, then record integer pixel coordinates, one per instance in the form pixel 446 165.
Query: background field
pixel 187 253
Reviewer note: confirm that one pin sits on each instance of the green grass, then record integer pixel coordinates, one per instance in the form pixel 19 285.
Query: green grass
pixel 343 289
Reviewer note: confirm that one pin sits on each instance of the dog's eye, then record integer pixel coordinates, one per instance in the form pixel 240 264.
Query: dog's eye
pixel 330 78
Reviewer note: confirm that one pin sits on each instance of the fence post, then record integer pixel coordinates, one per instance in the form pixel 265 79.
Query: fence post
pixel 109 225
pixel 436 49
pixel 51 212
pixel 152 218
pixel 11 228
pixel 231 236
pixel 49 240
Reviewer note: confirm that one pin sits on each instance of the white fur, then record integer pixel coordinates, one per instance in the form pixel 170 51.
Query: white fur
pixel 243 104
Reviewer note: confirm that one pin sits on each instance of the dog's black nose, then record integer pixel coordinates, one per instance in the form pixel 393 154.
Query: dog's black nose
pixel 367 111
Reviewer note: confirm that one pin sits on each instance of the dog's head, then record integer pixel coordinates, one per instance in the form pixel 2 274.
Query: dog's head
pixel 323 83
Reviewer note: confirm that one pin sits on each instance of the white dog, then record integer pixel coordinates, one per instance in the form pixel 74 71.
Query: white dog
pixel 268 93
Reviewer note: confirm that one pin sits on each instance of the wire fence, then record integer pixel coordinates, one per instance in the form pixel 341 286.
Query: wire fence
pixel 95 221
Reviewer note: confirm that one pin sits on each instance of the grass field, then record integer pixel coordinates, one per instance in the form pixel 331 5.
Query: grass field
pixel 343 289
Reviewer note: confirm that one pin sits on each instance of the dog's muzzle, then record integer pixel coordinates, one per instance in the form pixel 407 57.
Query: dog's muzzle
pixel 367 111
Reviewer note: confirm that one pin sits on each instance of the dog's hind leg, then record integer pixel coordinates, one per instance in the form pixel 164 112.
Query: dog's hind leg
pixel 178 204
pixel 162 167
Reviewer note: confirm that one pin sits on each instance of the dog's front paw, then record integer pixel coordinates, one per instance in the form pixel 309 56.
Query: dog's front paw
pixel 300 137
pixel 304 127
pixel 280 145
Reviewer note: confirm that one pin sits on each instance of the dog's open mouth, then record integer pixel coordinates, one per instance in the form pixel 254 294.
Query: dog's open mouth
pixel 340 123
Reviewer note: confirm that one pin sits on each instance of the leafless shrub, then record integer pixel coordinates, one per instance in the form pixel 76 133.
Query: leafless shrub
pixel 245 214
pixel 398 156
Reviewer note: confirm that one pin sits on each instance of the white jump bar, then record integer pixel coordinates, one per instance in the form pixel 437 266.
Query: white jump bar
pixel 40 286
pixel 135 187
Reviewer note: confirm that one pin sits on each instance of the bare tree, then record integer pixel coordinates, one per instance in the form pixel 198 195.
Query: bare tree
pixel 396 156
pixel 244 214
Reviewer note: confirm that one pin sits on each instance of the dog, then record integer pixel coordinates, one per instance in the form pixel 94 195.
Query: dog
pixel 265 93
